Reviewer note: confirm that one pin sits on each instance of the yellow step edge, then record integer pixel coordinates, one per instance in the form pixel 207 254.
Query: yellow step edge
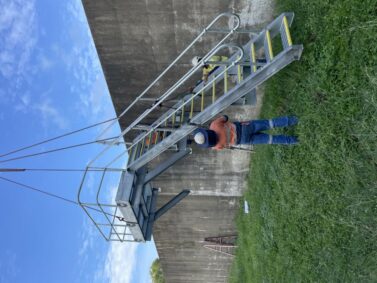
pixel 239 73
pixel 173 121
pixel 269 44
pixel 202 102
pixel 182 114
pixel 252 50
pixel 150 140
pixel 287 32
pixel 226 81
pixel 192 106
pixel 213 92
pixel 164 134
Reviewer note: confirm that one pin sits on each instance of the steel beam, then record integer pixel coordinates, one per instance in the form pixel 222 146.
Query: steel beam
pixel 162 167
pixel 170 204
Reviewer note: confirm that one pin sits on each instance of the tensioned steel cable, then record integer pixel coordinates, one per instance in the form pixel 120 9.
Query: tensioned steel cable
pixel 55 150
pixel 56 196
pixel 57 137
pixel 93 169
pixel 62 136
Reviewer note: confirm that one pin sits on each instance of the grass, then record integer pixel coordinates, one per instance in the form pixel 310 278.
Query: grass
pixel 313 207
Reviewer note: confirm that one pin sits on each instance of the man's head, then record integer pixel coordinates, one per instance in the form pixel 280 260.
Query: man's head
pixel 199 138
pixel 205 138
pixel 195 61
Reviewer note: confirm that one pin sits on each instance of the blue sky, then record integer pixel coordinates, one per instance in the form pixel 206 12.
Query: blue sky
pixel 51 82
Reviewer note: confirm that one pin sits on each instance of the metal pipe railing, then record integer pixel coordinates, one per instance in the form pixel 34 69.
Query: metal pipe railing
pixel 204 31
pixel 204 88
pixel 156 125
pixel 213 51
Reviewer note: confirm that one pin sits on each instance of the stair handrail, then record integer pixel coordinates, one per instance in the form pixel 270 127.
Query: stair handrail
pixel 202 33
pixel 168 92
pixel 203 88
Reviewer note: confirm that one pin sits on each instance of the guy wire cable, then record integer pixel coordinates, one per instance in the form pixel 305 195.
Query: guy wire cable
pixel 27 187
pixel 57 137
pixel 55 150
pixel 92 169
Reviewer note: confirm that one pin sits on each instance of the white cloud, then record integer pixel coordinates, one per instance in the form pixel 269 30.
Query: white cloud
pixel 120 258
pixel 23 104
pixel 18 37
pixel 120 262
pixel 94 99
pixel 45 63
pixel 88 236
pixel 25 99
pixel 50 114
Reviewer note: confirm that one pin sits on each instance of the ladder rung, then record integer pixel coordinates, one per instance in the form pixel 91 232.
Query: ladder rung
pixel 134 150
pixel 182 114
pixel 268 46
pixel 164 134
pixel 239 73
pixel 202 101
pixel 226 81
pixel 150 140
pixel 156 138
pixel 192 105
pixel 173 121
pixel 253 59
pixel 285 33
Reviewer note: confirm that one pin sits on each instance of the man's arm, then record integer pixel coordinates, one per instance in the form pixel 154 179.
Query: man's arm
pixel 218 147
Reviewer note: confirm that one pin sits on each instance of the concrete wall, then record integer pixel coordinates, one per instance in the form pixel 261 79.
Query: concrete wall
pixel 135 40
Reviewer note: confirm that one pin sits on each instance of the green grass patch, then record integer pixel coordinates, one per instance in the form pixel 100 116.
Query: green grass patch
pixel 313 207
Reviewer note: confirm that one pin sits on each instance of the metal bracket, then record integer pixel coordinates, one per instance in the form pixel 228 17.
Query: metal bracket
pixel 162 167
pixel 161 211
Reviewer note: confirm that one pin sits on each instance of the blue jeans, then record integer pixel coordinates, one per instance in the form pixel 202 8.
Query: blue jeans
pixel 250 132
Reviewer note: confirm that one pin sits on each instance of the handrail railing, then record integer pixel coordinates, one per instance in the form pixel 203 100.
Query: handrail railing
pixel 97 208
pixel 204 31
pixel 204 87
pixel 175 86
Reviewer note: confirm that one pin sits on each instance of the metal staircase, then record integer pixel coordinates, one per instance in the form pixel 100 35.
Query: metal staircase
pixel 172 126
pixel 247 66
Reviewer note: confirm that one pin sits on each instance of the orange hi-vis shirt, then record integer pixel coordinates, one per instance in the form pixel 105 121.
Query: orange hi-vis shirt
pixel 226 133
